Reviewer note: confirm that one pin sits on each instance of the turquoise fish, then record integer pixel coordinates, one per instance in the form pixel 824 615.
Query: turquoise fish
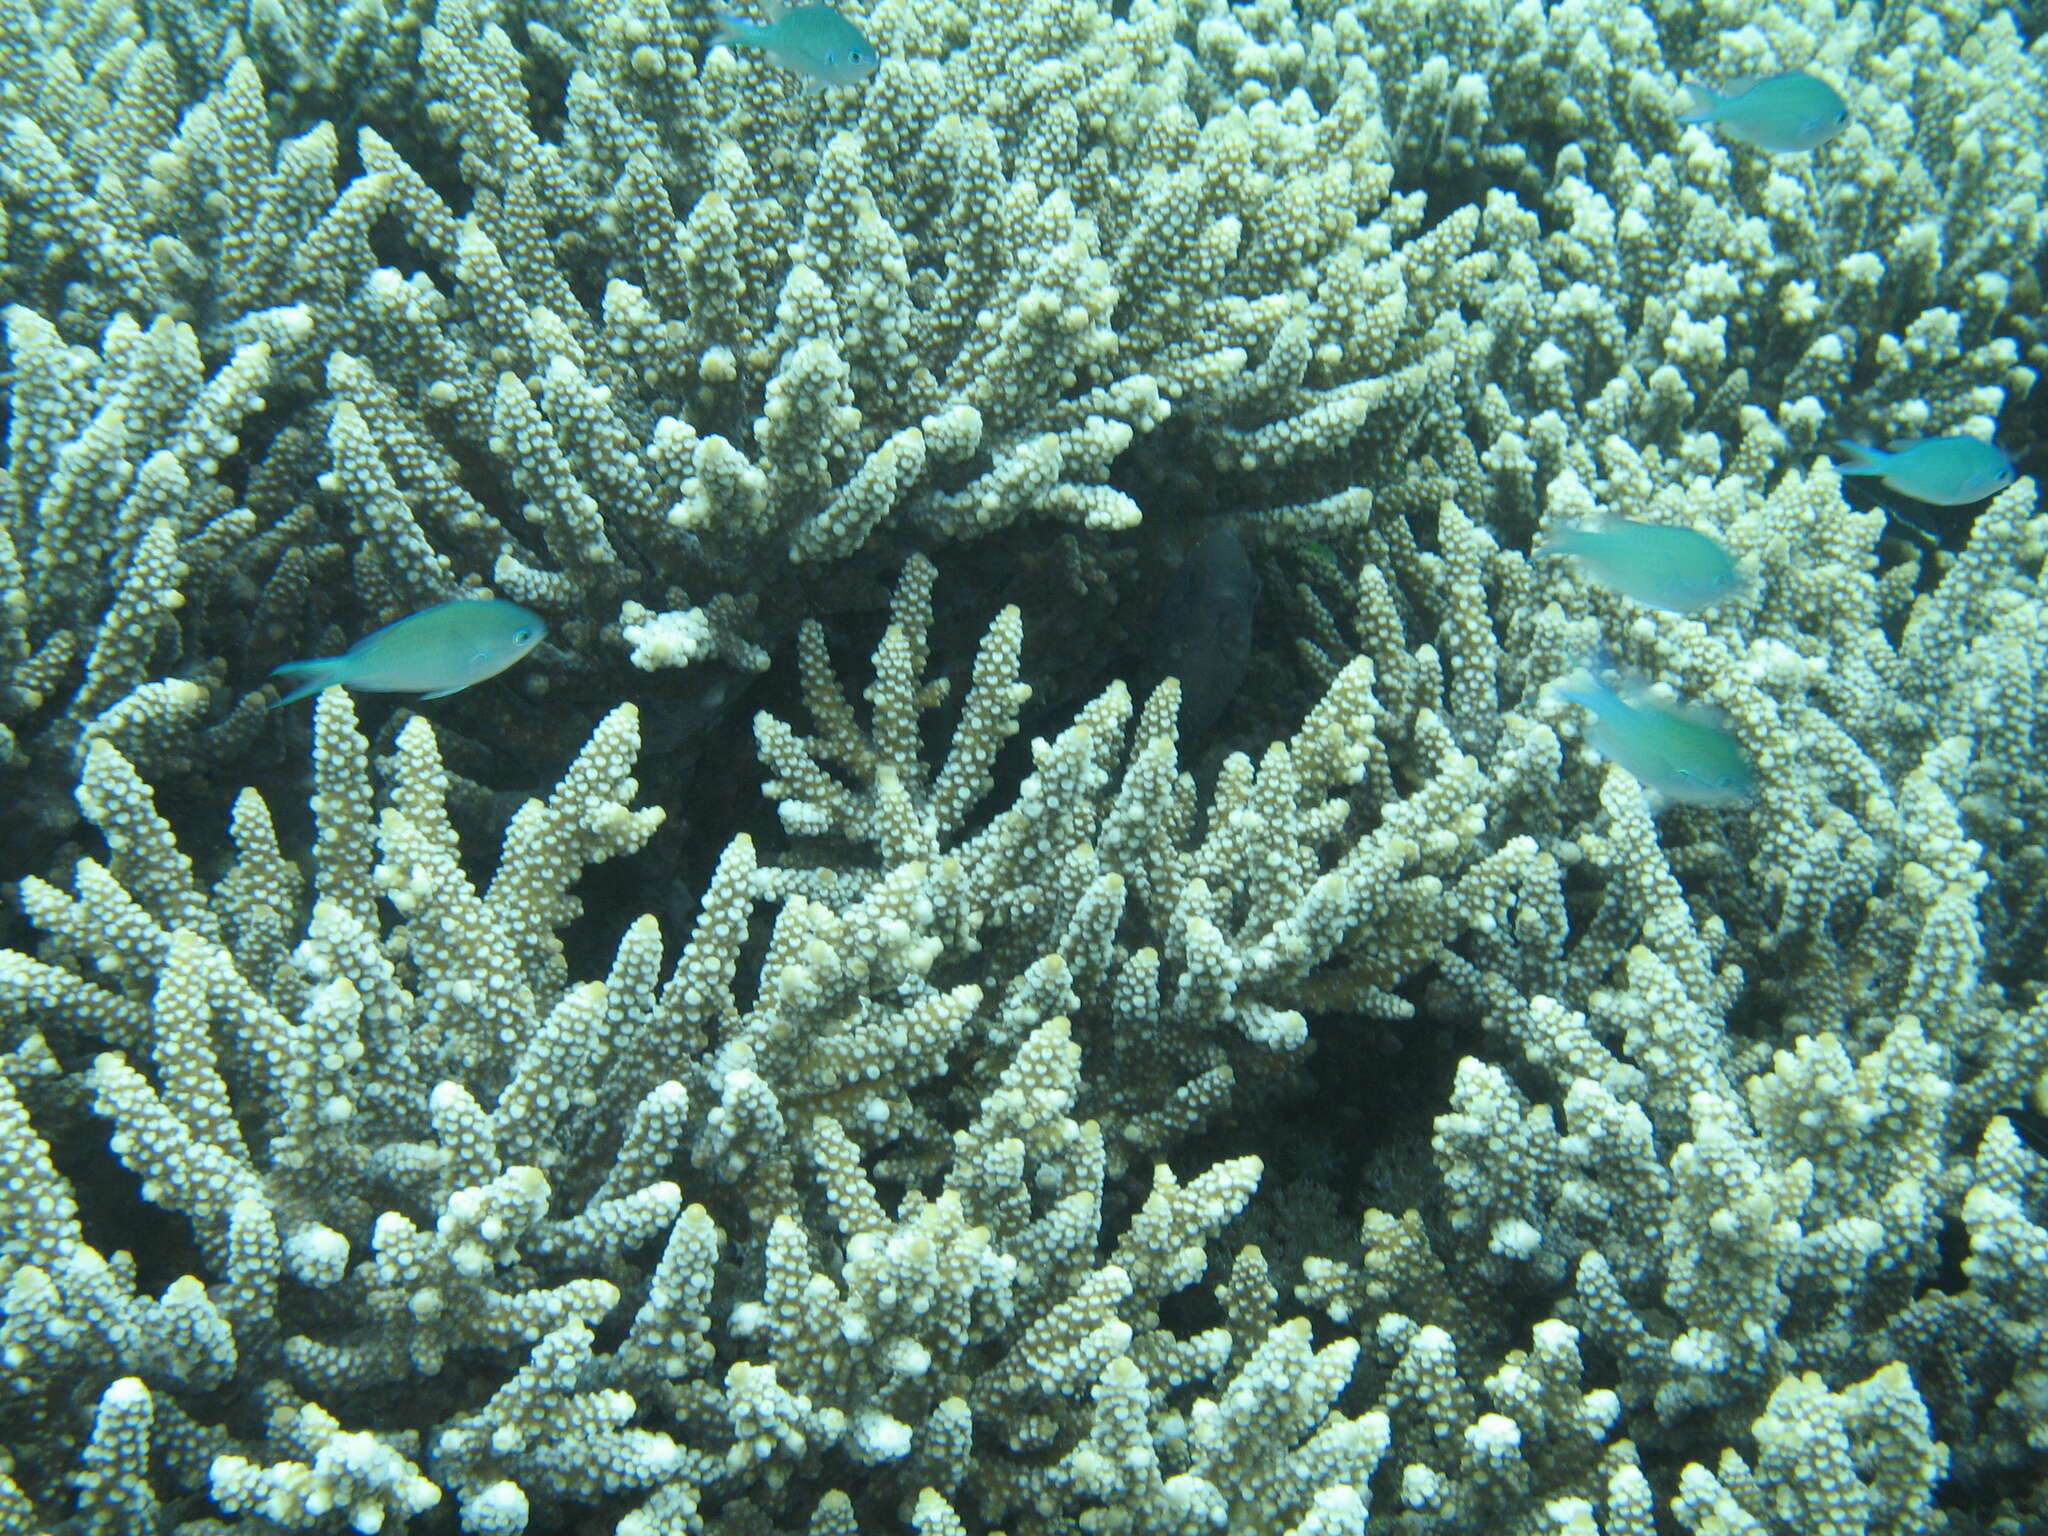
pixel 1942 471
pixel 435 652
pixel 1782 115
pixel 1678 752
pixel 813 40
pixel 1679 570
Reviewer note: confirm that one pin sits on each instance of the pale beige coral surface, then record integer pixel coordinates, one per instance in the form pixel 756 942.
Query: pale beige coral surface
pixel 956 1164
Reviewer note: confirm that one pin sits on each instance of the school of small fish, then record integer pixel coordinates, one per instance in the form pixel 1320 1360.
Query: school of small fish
pixel 1679 752
pixel 1684 752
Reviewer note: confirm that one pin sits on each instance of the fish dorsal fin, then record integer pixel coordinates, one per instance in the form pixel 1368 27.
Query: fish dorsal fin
pixel 773 10
pixel 1697 103
pixel 1692 711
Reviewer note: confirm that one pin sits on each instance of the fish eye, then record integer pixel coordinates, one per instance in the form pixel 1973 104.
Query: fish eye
pixel 853 55
pixel 521 636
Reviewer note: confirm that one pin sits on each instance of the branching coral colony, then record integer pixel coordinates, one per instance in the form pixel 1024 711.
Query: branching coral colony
pixel 921 1188
pixel 384 1110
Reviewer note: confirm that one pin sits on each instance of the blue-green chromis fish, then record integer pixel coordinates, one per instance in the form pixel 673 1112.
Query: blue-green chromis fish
pixel 1677 569
pixel 1781 116
pixel 435 652
pixel 1942 471
pixel 1677 752
pixel 813 40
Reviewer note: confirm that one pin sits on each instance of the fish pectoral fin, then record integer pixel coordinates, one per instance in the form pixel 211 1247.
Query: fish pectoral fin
pixel 1919 534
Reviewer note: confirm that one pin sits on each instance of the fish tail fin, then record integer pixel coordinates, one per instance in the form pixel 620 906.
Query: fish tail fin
pixel 306 678
pixel 733 31
pixel 1582 686
pixel 1862 458
pixel 1701 103
pixel 1575 686
pixel 1599 681
pixel 1568 537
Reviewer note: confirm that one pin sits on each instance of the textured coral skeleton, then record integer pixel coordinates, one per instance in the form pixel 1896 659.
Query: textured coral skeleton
pixel 425 1176
pixel 981 1149
pixel 697 330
